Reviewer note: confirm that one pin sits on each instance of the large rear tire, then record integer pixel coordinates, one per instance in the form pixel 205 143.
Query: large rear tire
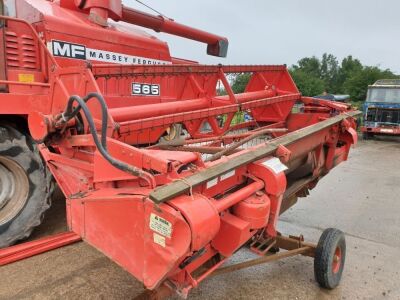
pixel 25 186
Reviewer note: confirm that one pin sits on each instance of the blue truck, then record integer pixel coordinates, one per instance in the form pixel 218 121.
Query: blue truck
pixel 382 109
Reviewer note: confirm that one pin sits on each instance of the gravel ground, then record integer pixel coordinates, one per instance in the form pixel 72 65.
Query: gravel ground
pixel 360 197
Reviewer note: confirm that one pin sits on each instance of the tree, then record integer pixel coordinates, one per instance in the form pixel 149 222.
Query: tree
pixel 348 68
pixel 240 82
pixel 356 85
pixel 329 71
pixel 309 65
pixel 308 85
pixel 313 76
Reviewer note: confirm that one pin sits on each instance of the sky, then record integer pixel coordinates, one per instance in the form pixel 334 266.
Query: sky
pixel 282 32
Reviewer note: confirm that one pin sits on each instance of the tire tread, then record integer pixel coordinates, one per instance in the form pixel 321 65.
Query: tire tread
pixel 327 244
pixel 37 170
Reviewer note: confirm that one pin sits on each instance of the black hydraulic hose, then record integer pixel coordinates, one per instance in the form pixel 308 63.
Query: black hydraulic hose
pixel 71 112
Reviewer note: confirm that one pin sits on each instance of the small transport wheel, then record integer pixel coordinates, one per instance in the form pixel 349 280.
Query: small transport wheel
pixel 329 258
pixel 25 186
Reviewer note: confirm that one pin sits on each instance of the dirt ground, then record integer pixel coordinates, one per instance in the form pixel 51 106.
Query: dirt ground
pixel 360 197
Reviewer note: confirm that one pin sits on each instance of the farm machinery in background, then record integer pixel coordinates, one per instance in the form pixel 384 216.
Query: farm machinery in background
pixel 157 171
pixel 382 109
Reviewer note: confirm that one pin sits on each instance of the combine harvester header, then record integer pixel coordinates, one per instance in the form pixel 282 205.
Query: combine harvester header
pixel 160 172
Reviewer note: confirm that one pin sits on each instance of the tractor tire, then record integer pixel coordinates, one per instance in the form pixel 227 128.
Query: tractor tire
pixel 330 256
pixel 25 186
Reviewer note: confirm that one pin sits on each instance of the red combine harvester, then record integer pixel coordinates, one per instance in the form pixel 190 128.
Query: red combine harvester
pixel 160 172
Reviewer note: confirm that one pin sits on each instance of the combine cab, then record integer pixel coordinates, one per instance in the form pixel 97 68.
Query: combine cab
pixel 159 172
pixel 382 109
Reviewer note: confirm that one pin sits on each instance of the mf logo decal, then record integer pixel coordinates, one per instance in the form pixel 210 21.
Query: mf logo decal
pixel 77 51
pixel 63 49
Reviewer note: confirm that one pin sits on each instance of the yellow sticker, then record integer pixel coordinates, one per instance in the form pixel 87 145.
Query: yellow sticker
pixel 26 78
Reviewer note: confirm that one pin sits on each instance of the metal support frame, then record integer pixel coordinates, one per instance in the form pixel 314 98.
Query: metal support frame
pixel 293 246
pixel 176 188
pixel 262 260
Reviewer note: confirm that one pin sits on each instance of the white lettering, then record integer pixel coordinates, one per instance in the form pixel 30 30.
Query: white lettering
pixel 70 50
pixel 63 50
pixel 78 51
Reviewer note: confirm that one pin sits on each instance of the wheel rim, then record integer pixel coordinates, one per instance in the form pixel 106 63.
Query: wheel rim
pixel 337 260
pixel 14 189
pixel 172 132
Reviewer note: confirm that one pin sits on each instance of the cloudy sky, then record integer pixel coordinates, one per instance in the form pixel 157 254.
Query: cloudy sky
pixel 278 32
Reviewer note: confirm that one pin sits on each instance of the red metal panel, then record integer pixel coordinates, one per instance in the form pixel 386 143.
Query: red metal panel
pixel 22 104
pixel 234 233
pixel 22 48
pixel 202 217
pixel 255 210
pixel 122 226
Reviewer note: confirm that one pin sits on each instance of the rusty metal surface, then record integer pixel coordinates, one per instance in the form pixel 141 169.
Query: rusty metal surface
pixel 176 188
pixel 262 260
pixel 293 245
pixel 81 272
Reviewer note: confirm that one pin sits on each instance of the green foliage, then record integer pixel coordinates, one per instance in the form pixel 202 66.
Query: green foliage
pixel 309 65
pixel 349 68
pixel 240 83
pixel 308 85
pixel 330 71
pixel 313 76
pixel 356 84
